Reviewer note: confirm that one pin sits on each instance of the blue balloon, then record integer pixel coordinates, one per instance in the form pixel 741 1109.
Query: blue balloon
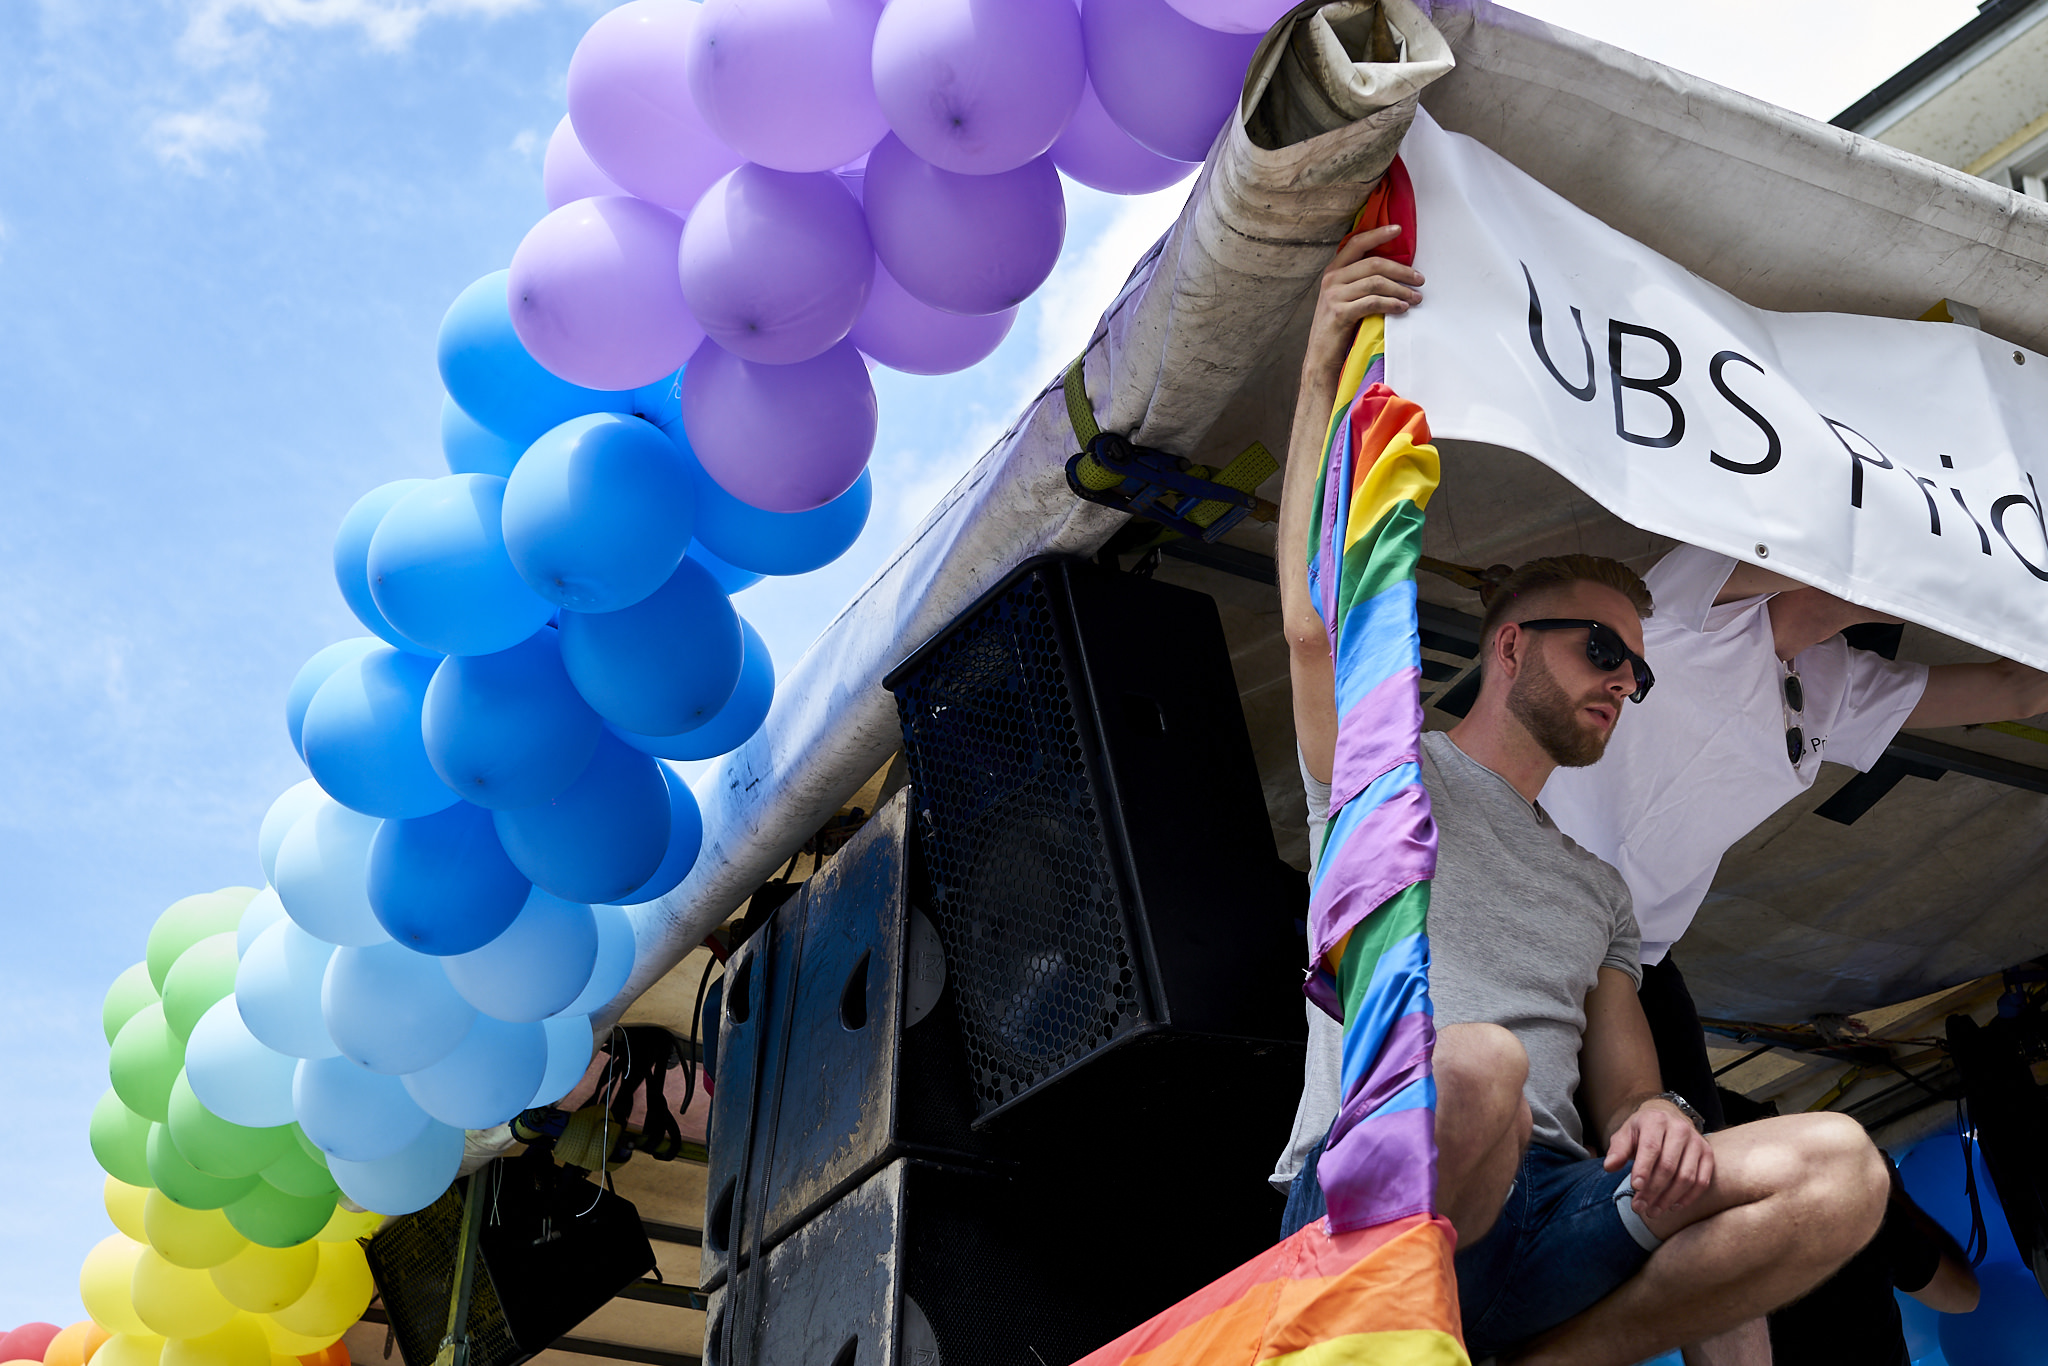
pixel 294 802
pixel 390 1009
pixel 685 839
pixel 263 911
pixel 730 577
pixel 736 721
pixel 662 666
pixel 2009 1324
pixel 323 870
pixel 351 1113
pixel 598 512
pixel 441 884
pixel 773 542
pixel 363 738
pixel 1933 1176
pixel 509 730
pixel 440 574
pixel 570 1045
pixel 533 969
pixel 490 375
pixel 233 1074
pixel 488 1079
pixel 616 948
pixel 311 675
pixel 352 560
pixel 472 448
pixel 408 1180
pixel 602 837
pixel 660 402
pixel 277 991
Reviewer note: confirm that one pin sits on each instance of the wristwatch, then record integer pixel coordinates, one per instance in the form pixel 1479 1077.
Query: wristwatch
pixel 1699 1121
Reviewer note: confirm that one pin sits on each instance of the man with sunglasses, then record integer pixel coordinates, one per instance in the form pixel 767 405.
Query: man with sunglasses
pixel 1595 1221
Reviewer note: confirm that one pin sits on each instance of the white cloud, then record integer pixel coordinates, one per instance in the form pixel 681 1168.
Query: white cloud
pixel 220 28
pixel 231 124
pixel 526 142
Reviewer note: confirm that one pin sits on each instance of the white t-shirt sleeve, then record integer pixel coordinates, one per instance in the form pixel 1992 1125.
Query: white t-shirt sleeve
pixel 1684 584
pixel 1878 695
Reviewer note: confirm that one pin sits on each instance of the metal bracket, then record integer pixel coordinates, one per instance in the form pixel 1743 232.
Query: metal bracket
pixel 1164 488
pixel 455 1343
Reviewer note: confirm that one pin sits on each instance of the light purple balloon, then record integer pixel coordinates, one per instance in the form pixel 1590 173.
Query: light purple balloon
pixel 1234 16
pixel 776 265
pixel 978 86
pixel 594 295
pixel 964 243
pixel 788 83
pixel 567 173
pixel 1166 80
pixel 1103 156
pixel 787 438
pixel 632 109
pixel 918 339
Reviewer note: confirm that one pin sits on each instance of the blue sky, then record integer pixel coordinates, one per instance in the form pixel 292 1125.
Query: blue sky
pixel 228 230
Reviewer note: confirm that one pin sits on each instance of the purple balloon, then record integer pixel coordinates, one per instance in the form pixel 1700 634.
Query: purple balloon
pixel 776 265
pixel 787 438
pixel 632 109
pixel 963 243
pixel 567 173
pixel 594 296
pixel 1166 80
pixel 1234 16
pixel 918 339
pixel 978 86
pixel 788 83
pixel 1104 157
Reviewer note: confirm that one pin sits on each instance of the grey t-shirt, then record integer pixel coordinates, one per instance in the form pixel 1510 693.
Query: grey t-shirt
pixel 1521 920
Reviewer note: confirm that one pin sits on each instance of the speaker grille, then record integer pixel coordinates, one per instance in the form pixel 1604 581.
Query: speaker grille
pixel 1024 890
pixel 413 1263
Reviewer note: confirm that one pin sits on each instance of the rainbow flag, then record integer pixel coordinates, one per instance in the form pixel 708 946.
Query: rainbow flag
pixel 1372 1285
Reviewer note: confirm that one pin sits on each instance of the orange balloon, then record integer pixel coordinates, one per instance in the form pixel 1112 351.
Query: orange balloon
pixel 334 1355
pixel 75 1345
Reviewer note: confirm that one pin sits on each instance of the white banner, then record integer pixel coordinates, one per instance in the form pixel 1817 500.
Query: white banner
pixel 1896 464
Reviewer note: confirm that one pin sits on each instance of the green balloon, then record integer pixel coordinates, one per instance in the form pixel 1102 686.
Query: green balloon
pixel 190 920
pixel 295 1173
pixel 145 1060
pixel 277 1218
pixel 120 1141
pixel 185 1184
pixel 213 1145
pixel 203 974
pixel 308 1146
pixel 131 992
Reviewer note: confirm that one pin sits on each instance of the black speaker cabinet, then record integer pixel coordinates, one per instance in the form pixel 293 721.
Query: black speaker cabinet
pixel 1100 865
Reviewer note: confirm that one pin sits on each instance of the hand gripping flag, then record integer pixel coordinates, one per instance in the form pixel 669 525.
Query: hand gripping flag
pixel 1371 1285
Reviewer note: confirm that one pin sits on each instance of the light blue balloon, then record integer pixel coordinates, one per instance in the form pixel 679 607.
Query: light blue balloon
pixel 352 557
pixel 390 1009
pixel 730 577
pixel 616 948
pixel 509 730
pixel 352 1114
pixel 363 737
pixel 570 1045
pixel 489 1077
pixel 602 837
pixel 408 1180
pixel 322 874
pixel 685 839
pixel 490 375
pixel 469 447
pixel 233 1074
pixel 441 884
pixel 311 675
pixel 664 665
pixel 277 990
pixel 598 513
pixel 533 969
pixel 766 542
pixel 736 721
pixel 294 802
pixel 440 574
pixel 263 911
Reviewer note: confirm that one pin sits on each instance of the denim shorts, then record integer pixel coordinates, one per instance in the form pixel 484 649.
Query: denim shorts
pixel 1560 1246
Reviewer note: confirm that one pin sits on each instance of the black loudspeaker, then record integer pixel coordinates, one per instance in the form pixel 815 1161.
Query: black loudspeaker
pixel 1100 865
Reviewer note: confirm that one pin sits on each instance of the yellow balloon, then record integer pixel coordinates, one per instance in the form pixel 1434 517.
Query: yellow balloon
pixel 347 1225
pixel 339 1294
pixel 284 1342
pixel 75 1345
pixel 177 1301
pixel 194 1238
pixel 124 1206
pixel 129 1349
pixel 104 1286
pixel 240 1343
pixel 264 1280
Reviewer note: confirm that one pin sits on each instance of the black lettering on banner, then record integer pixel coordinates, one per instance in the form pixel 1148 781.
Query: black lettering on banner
pixel 1927 488
pixel 1773 447
pixel 2033 505
pixel 1857 459
pixel 1660 386
pixel 1983 538
pixel 1582 392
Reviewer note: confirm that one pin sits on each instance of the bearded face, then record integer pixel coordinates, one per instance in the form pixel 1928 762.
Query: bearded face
pixel 1553 718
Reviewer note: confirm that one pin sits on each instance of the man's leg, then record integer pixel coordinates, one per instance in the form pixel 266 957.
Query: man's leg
pixel 1482 1123
pixel 1792 1199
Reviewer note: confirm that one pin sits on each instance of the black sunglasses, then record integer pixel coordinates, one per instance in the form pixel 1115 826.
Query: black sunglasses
pixel 1605 649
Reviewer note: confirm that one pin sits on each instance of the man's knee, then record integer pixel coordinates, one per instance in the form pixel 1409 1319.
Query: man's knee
pixel 1828 1165
pixel 1484 1067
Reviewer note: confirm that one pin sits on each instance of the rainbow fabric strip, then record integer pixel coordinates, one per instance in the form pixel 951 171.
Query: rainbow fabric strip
pixel 1372 1285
